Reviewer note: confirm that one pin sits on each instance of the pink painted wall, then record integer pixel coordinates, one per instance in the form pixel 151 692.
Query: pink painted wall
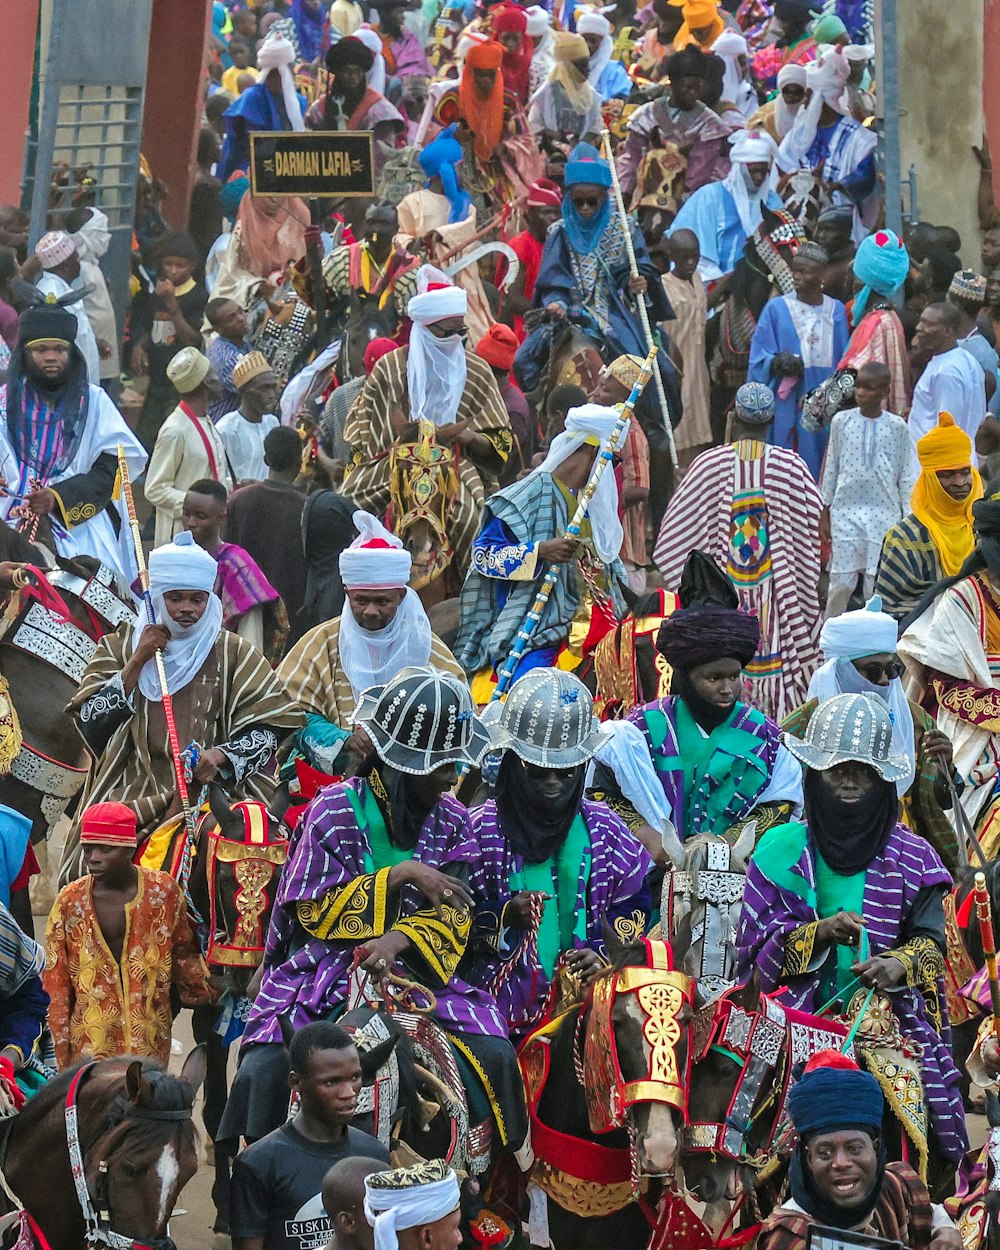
pixel 20 28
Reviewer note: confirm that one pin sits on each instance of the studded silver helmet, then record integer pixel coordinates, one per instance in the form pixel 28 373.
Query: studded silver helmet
pixel 850 727
pixel 421 720
pixel 548 720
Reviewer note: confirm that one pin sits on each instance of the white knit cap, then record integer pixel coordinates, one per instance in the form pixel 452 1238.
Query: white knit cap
pixel 53 248
pixel 376 560
pixel 443 301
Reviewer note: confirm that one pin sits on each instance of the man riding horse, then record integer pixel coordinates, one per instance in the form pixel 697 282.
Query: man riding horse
pixel 433 383
pixel 383 876
pixel 59 437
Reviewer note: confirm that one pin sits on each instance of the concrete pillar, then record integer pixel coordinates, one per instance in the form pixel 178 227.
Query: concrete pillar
pixel 941 109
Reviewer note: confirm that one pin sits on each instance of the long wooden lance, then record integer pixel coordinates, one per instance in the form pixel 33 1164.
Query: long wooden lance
pixel 147 598
pixel 601 464
pixel 640 299
pixel 984 914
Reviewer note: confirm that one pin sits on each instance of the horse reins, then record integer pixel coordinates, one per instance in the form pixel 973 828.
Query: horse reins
pixel 96 1212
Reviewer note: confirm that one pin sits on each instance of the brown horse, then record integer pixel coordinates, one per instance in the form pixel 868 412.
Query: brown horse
pixel 137 1144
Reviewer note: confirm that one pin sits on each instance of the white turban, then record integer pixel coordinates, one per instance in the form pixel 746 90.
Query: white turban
pixel 180 565
pixel 376 559
pixel 749 147
pixel 591 22
pixel 389 1210
pixel 827 79
pixel 437 297
pixel 278 53
pixel 851 636
pixel 436 369
pixel 730 43
pixel 373 42
pixel 730 46
pixel 785 114
pixel 538 20
pixel 593 423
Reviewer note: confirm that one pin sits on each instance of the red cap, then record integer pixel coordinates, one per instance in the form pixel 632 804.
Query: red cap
pixel 109 824
pixel 498 347
pixel 830 1059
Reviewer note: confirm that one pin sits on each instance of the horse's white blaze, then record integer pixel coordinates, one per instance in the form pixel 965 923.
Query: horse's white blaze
pixel 168 1169
pixel 658 1146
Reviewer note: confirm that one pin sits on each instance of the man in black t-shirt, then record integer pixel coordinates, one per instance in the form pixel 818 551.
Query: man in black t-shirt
pixel 278 1181
pixel 162 322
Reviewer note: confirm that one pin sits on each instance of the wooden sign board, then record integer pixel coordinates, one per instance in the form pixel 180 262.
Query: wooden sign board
pixel 335 164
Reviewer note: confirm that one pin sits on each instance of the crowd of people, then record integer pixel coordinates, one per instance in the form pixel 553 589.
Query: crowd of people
pixel 612 487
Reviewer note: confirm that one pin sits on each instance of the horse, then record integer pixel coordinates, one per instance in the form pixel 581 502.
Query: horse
pixel 50 630
pixel 760 271
pixel 229 869
pixel 117 1144
pixel 423 486
pixel 606 1084
pixel 572 355
pixel 365 320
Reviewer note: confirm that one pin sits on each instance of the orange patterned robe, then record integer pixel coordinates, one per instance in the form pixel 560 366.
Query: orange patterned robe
pixel 101 1008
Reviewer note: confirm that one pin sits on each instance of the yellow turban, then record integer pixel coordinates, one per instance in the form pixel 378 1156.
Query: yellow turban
pixel 949 521
pixel 698 15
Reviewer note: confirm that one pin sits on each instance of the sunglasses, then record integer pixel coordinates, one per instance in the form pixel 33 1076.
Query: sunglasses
pixel 873 670
pixel 585 201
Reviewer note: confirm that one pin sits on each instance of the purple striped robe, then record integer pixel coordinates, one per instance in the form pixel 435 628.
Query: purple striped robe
pixel 306 976
pixel 892 882
pixel 615 890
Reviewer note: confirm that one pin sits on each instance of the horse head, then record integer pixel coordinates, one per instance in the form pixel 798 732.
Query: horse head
pixel 763 267
pixel 700 909
pixel 133 1128
pixel 635 1050
pixel 423 485
pixel 736 1095
pixel 241 850
pixel 629 669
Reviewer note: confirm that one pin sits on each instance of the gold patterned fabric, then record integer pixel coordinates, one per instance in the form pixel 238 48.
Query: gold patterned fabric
pixel 975 704
pixel 356 912
pixel 924 966
pixel 799 947
pixel 100 1007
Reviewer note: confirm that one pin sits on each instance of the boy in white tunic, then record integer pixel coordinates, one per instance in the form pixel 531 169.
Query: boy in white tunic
pixel 867 482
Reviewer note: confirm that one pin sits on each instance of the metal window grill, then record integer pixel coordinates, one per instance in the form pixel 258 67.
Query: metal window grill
pixel 100 125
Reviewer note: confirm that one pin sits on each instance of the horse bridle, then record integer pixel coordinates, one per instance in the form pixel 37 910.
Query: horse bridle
pixel 755 1040
pixel 96 1211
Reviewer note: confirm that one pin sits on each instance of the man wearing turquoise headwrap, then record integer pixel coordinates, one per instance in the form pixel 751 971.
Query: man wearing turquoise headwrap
pixel 880 269
pixel 584 274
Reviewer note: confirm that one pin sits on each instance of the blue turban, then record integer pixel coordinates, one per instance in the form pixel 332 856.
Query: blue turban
pixel 826 1100
pixel 232 192
pixel 755 403
pixel 439 159
pixel 881 264
pixel 586 164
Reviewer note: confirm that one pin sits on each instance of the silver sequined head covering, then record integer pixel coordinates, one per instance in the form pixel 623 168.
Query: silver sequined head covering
pixel 850 727
pixel 548 720
pixel 422 720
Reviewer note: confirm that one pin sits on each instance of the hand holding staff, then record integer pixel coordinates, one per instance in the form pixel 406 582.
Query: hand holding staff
pixel 604 457
pixel 981 896
pixel 640 300
pixel 168 704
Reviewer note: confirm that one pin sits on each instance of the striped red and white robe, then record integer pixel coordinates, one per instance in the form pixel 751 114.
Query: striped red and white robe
pixel 755 509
